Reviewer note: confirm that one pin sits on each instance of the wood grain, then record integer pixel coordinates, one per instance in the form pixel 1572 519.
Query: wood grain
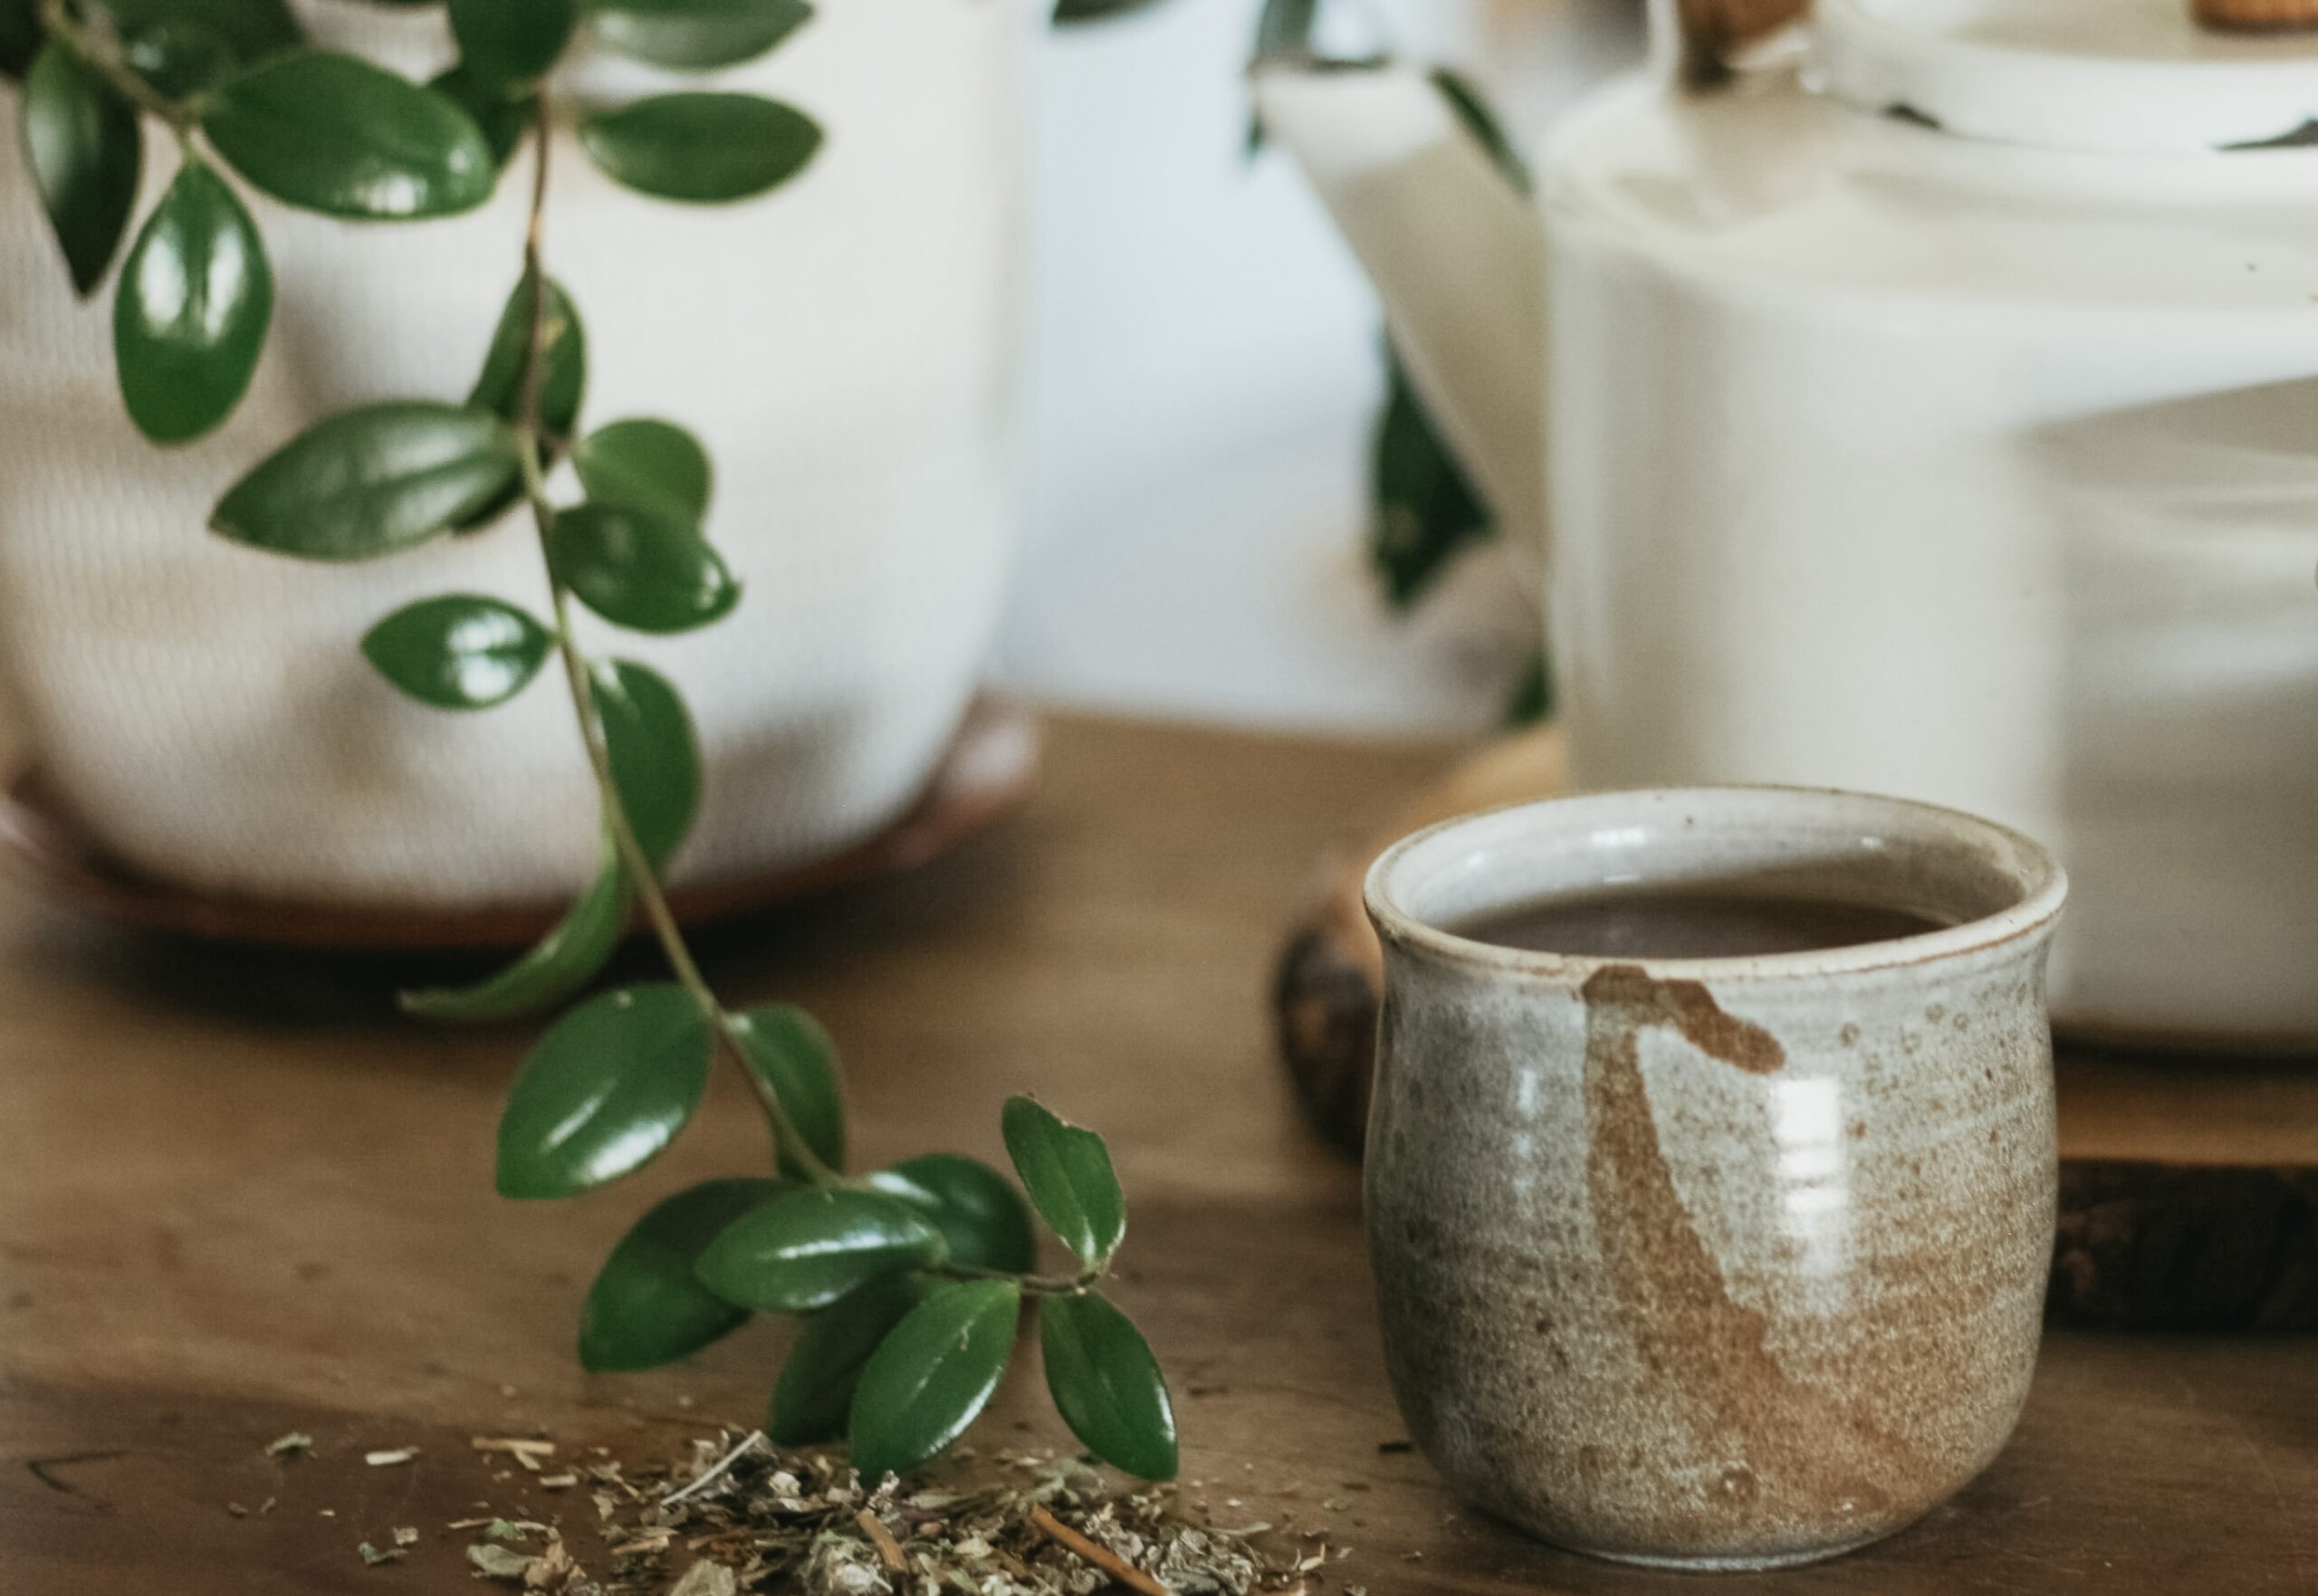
pixel 242 1198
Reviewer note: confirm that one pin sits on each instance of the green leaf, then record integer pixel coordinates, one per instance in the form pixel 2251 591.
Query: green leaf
pixel 645 1309
pixel 639 570
pixel 85 151
pixel 372 480
pixel 655 465
pixel 1107 1385
pixel 334 134
pixel 561 962
pixel 179 60
pixel 979 1212
pixel 513 41
pixel 1284 29
pixel 19 37
pixel 1068 1173
pixel 654 757
pixel 502 119
pixel 1532 698
pixel 563 379
pixel 563 360
pixel 1426 509
pixel 1067 13
pixel 694 36
pixel 787 1048
pixel 807 1248
pixel 933 1375
pixel 604 1091
pixel 191 312
pixel 248 30
pixel 705 148
pixel 1465 100
pixel 815 1391
pixel 462 651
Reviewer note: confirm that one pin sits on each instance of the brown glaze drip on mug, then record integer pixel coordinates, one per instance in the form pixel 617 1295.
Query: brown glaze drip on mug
pixel 1797 1443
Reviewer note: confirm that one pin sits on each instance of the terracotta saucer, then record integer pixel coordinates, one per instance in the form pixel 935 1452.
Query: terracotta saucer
pixel 986 774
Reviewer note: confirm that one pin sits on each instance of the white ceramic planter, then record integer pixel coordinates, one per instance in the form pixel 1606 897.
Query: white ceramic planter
pixel 844 346
pixel 1967 455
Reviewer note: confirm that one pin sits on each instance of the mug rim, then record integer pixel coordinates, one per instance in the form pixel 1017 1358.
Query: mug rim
pixel 2043 891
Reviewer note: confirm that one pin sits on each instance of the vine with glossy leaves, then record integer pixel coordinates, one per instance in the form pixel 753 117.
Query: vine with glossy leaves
pixel 911 1280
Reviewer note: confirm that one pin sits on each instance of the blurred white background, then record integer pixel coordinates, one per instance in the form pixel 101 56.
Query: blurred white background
pixel 1203 373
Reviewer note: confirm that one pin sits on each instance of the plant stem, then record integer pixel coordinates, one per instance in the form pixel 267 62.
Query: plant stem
pixel 576 674
pixel 99 55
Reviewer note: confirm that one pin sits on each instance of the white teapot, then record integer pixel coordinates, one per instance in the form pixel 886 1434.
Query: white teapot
pixel 1930 412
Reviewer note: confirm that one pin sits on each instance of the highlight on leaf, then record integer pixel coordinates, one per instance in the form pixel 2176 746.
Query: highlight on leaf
pixel 247 31
pixel 502 115
pixel 604 1091
pixel 332 133
pixel 814 1396
pixel 462 651
pixel 640 569
pixel 372 480
pixel 176 58
pixel 807 1249
pixel 933 1375
pixel 190 315
pixel 1107 1385
pixel 979 1213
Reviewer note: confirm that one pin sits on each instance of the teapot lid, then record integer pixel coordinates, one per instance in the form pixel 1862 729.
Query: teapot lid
pixel 2114 76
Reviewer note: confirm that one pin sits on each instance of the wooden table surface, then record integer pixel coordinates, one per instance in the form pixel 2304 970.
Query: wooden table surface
pixel 241 1198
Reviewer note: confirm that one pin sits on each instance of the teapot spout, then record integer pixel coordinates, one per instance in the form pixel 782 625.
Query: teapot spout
pixel 1454 250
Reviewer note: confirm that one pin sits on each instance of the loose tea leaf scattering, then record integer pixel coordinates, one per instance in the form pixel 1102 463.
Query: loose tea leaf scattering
pixel 769 1520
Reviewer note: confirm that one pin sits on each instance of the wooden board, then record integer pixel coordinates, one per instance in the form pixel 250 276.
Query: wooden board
pixel 2189 1187
pixel 983 775
pixel 242 1197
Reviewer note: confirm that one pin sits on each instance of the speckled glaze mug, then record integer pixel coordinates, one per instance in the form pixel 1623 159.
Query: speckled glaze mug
pixel 1714 1263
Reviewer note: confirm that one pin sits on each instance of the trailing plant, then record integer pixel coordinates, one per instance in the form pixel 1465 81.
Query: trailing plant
pixel 909 1281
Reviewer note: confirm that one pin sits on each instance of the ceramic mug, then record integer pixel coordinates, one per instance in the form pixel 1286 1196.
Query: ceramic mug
pixel 1716 1263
